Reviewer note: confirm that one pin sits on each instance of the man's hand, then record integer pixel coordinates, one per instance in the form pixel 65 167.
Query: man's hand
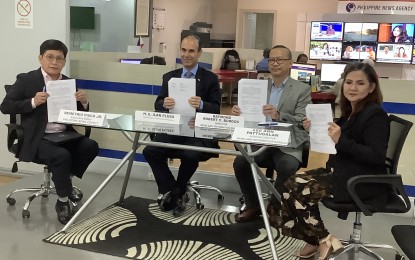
pixel 306 124
pixel 82 97
pixel 195 101
pixel 236 111
pixel 270 110
pixel 169 102
pixel 40 98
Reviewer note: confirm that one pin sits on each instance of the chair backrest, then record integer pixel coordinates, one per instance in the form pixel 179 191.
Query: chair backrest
pixel 14 118
pixel 399 129
pixel 263 75
pixel 305 155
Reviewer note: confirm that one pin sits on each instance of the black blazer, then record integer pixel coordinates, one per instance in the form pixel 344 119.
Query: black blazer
pixel 19 101
pixel 361 150
pixel 207 87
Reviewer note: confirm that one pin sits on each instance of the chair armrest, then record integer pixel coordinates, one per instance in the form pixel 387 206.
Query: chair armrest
pixel 395 181
pixel 14 138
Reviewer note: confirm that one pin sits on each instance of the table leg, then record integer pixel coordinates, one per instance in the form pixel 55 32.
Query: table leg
pixel 128 171
pixel 259 194
pixel 129 155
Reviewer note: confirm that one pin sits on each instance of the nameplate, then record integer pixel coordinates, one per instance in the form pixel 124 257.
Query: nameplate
pixel 261 136
pixel 157 117
pixel 218 121
pixel 82 118
pixel 173 129
pixel 212 133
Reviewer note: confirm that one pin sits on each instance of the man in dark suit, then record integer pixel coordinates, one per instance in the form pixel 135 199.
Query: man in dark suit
pixel 28 98
pixel 287 102
pixel 207 100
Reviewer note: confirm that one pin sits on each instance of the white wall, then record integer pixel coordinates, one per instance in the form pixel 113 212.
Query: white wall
pixel 20 49
pixel 114 26
pixel 287 12
pixel 180 15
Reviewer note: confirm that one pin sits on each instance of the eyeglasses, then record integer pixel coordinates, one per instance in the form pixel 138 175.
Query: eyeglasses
pixel 51 58
pixel 279 61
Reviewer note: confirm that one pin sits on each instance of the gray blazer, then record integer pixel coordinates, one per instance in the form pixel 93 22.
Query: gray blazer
pixel 293 101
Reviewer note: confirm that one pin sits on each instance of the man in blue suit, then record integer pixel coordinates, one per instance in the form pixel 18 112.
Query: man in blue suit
pixel 207 100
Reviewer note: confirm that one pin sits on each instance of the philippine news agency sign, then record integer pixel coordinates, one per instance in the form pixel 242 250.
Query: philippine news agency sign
pixel 403 7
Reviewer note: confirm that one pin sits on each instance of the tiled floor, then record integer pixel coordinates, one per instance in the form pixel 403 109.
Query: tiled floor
pixel 22 238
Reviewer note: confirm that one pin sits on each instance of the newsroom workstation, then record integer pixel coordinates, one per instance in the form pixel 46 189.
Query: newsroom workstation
pixel 397 88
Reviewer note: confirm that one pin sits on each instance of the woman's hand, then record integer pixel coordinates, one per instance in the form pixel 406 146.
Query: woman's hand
pixel 334 132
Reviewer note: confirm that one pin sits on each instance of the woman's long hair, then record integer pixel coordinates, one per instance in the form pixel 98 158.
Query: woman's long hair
pixel 374 97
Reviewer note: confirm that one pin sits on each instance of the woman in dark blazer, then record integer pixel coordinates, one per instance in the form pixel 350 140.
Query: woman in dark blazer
pixel 361 138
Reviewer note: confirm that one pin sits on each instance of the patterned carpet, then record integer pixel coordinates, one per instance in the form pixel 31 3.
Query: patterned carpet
pixel 139 230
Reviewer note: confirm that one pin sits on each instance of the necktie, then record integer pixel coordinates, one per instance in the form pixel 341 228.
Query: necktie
pixel 188 74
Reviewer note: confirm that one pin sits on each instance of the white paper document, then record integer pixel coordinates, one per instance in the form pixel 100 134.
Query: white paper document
pixel 181 90
pixel 61 96
pixel 320 115
pixel 252 96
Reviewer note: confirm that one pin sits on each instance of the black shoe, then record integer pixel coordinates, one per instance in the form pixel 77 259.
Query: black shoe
pixel 75 195
pixel 64 211
pixel 167 202
pixel 181 205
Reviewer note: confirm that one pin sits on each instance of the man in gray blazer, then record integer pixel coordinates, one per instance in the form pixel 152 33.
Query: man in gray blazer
pixel 287 102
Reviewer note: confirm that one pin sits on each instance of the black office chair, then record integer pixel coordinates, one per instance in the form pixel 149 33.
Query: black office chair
pixel 14 145
pixel 405 237
pixel 398 201
pixel 193 186
pixel 263 74
pixel 269 172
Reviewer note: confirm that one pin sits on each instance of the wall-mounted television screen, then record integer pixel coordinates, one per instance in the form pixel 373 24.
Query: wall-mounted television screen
pixel 394 53
pixel 323 50
pixel 365 32
pixel 331 72
pixel 359 50
pixel 413 55
pixel 303 72
pixel 332 31
pixel 82 17
pixel 396 32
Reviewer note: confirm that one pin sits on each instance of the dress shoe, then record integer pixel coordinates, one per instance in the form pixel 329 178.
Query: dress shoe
pixel 248 214
pixel 181 205
pixel 64 211
pixel 167 202
pixel 75 195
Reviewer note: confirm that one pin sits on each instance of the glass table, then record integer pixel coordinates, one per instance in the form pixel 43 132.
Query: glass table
pixel 141 131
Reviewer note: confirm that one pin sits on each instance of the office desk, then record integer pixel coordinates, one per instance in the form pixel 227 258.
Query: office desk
pixel 324 97
pixel 127 124
pixel 232 77
pixel 227 90
pixel 237 74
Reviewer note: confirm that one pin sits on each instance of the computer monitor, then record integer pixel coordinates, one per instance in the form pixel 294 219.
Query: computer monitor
pixel 303 72
pixel 324 50
pixel 131 61
pixel 327 31
pixel 330 73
